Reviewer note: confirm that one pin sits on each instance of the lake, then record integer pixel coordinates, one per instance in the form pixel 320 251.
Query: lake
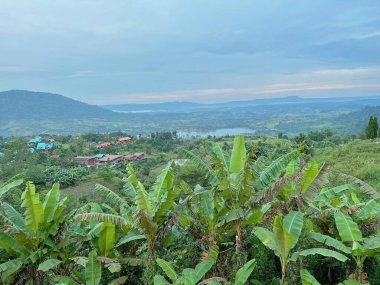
pixel 216 133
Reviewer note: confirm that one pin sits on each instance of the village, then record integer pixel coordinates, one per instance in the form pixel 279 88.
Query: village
pixel 107 159
pixel 47 144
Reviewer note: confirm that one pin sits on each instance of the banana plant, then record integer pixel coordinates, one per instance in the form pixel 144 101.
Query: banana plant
pixel 241 276
pixel 206 219
pixel 107 242
pixel 241 183
pixel 90 273
pixel 308 279
pixel 31 241
pixel 284 237
pixel 306 184
pixel 10 184
pixel 351 242
pixel 189 276
pixel 150 210
pixel 194 276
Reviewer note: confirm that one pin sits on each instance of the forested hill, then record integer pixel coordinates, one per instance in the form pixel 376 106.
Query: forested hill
pixel 28 105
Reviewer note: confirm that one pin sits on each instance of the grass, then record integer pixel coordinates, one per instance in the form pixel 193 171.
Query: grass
pixel 358 158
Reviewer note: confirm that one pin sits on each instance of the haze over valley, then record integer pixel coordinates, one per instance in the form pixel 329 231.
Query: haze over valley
pixel 21 115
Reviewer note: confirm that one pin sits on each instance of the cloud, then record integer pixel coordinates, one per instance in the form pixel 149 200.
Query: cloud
pixel 229 94
pixel 95 50
pixel 18 69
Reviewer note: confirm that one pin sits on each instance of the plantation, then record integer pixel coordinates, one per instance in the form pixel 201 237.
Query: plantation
pixel 237 211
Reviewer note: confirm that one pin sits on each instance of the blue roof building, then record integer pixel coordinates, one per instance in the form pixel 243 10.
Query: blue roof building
pixel 41 146
pixel 99 155
pixel 35 140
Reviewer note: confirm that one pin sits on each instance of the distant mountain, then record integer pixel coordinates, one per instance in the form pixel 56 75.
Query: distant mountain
pixel 172 107
pixel 22 104
pixel 25 112
pixel 324 104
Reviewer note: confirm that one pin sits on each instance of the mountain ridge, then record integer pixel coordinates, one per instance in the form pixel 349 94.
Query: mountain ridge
pixel 188 106
pixel 25 112
pixel 43 105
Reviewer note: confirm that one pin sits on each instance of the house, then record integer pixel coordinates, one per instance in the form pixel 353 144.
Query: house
pixel 86 160
pixel 99 155
pixel 34 141
pixel 114 159
pixel 105 144
pixel 41 146
pixel 135 156
pixel 54 156
pixel 123 140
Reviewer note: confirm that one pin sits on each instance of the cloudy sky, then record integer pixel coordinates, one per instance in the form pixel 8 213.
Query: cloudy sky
pixel 124 51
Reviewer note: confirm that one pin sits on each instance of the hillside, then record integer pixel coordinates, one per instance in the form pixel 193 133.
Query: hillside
pixel 22 104
pixel 25 112
pixel 359 118
pixel 355 158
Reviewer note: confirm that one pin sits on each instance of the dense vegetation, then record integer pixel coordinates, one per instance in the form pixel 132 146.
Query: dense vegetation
pixel 254 211
pixel 372 130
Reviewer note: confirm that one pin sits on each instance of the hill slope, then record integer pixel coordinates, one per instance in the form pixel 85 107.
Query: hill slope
pixel 355 158
pixel 21 104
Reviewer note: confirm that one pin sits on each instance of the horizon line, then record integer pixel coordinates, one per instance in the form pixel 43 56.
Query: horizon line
pixel 330 97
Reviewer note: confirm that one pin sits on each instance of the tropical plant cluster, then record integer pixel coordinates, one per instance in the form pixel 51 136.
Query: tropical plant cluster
pixel 247 219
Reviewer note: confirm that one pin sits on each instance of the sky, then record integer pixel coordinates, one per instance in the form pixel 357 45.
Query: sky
pixel 144 51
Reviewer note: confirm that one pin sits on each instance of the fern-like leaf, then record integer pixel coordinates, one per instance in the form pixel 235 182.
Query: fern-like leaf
pixel 111 196
pixel 363 187
pixel 101 217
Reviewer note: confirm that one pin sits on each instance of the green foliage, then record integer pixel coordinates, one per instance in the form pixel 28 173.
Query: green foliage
pixel 372 130
pixel 189 276
pixel 32 241
pixel 275 215
pixel 93 269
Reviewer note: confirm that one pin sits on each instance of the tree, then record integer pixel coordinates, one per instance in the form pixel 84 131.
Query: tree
pixel 375 127
pixel 372 128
